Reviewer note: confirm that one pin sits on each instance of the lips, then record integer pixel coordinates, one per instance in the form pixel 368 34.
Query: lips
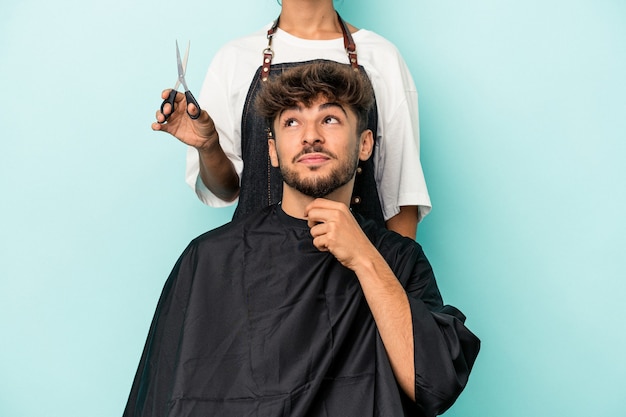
pixel 313 158
pixel 312 155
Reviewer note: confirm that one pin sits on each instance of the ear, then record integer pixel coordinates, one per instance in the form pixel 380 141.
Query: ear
pixel 367 145
pixel 271 144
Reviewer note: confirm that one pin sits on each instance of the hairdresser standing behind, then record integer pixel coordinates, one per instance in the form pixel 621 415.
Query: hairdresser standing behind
pixel 227 159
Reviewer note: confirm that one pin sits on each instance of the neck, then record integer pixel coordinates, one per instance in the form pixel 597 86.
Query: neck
pixel 294 203
pixel 310 19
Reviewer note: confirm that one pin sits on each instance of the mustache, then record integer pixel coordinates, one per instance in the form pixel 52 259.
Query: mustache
pixel 316 148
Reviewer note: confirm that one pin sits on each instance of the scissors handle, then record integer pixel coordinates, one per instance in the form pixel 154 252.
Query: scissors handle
pixel 191 99
pixel 172 97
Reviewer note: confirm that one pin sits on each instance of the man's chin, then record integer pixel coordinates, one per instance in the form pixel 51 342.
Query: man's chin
pixel 317 182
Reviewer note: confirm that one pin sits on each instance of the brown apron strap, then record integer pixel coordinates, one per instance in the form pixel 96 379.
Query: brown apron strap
pixel 268 54
pixel 348 43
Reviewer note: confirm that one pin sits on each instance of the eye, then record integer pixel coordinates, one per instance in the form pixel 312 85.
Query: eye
pixel 290 122
pixel 331 120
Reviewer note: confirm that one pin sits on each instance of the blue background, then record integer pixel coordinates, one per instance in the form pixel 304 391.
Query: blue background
pixel 523 121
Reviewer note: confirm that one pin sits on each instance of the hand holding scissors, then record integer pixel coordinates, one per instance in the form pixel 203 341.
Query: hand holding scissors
pixel 182 68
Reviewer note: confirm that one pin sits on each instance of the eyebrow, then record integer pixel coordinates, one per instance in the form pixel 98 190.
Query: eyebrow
pixel 327 105
pixel 321 107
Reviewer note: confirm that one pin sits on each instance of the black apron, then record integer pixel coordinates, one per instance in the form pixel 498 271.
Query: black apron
pixel 261 183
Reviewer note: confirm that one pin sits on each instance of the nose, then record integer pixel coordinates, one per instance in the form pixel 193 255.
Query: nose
pixel 312 135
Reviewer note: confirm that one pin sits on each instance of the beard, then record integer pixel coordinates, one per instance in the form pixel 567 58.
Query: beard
pixel 321 186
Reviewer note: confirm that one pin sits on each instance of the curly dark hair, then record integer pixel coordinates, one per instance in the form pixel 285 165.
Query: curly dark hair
pixel 304 84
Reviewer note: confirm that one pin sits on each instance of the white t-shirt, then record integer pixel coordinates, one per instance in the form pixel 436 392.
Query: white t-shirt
pixel 398 170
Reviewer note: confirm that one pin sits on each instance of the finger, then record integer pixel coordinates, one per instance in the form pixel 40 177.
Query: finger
pixel 160 117
pixel 320 215
pixel 323 205
pixel 192 109
pixel 319 229
pixel 166 110
pixel 160 127
pixel 315 212
pixel 317 203
pixel 312 223
pixel 315 221
pixel 320 244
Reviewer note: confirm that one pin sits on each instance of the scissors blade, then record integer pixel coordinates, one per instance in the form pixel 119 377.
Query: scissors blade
pixel 186 56
pixel 182 65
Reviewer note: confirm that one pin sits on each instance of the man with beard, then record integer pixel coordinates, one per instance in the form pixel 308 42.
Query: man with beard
pixel 304 309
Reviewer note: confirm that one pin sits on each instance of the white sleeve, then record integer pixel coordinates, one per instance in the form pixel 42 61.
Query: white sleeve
pixel 398 169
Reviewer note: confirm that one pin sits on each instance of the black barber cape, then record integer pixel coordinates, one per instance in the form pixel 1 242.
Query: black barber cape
pixel 255 321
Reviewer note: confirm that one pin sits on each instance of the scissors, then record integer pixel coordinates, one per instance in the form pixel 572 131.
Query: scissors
pixel 182 68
